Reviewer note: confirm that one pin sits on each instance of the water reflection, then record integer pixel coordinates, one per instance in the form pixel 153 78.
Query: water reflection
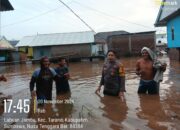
pixel 144 112
pixel 151 109
pixel 65 108
pixel 51 114
pixel 115 110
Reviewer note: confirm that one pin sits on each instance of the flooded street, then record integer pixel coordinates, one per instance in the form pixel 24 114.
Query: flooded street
pixel 98 112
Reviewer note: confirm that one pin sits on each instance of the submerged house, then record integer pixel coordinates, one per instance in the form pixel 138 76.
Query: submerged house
pixel 71 45
pixel 129 44
pixel 161 39
pixel 161 42
pixel 5 47
pixel 6 50
pixel 169 16
pixel 101 39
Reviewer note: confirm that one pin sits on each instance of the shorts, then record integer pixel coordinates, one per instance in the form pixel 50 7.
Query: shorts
pixel 148 86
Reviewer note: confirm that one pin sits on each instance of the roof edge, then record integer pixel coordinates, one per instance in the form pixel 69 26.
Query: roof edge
pixel 57 33
pixel 163 22
pixel 159 14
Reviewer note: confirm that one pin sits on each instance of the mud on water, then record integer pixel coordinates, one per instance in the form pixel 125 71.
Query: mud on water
pixel 83 109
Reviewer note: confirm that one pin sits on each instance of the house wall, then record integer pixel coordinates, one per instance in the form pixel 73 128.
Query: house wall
pixel 97 50
pixel 23 56
pixel 119 44
pixel 161 39
pixel 30 52
pixel 22 49
pixel 141 40
pixel 174 54
pixel 175 23
pixel 39 52
pixel 5 55
pixel 72 51
pixel 76 51
pixel 131 44
pixel 15 56
pixel 27 50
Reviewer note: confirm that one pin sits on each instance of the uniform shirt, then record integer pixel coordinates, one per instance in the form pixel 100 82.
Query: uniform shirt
pixel 44 81
pixel 113 77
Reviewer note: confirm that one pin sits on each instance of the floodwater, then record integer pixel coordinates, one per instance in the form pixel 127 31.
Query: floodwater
pixel 83 109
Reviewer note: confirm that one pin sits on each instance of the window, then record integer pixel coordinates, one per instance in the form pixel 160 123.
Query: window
pixel 26 50
pixel 41 53
pixel 172 33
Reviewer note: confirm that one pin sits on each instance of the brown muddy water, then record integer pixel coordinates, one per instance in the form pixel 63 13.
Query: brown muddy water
pixel 83 109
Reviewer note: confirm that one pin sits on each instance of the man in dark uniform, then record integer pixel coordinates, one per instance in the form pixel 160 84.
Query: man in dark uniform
pixel 43 77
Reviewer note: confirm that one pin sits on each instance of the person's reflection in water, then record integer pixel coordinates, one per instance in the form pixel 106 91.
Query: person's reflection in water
pixel 115 110
pixel 152 110
pixel 65 106
pixel 59 111
pixel 41 114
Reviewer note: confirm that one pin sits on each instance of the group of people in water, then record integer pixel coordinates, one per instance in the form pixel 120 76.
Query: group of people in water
pixel 148 68
pixel 43 78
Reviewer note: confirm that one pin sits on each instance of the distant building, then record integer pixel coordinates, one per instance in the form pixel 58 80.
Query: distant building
pixel 169 16
pixel 161 39
pixel 5 50
pixel 131 43
pixel 101 39
pixel 161 42
pixel 14 42
pixel 72 45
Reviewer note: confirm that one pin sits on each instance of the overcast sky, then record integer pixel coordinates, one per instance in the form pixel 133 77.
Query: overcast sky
pixel 50 16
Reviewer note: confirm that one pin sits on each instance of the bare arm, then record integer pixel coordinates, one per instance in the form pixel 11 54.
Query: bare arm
pixel 122 78
pixel 138 68
pixel 121 82
pixel 31 86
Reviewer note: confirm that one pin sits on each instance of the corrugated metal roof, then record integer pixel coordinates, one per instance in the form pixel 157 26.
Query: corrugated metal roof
pixel 57 39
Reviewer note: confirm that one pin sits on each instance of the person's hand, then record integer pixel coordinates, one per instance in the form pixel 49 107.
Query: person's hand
pixel 3 78
pixel 67 75
pixel 137 73
pixel 140 73
pixel 98 89
pixel 33 94
pixel 163 67
pixel 121 96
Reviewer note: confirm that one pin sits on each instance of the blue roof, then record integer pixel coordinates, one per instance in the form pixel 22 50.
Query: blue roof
pixel 57 39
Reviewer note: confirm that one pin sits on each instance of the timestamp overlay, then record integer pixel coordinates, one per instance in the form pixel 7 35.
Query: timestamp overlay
pixel 46 114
